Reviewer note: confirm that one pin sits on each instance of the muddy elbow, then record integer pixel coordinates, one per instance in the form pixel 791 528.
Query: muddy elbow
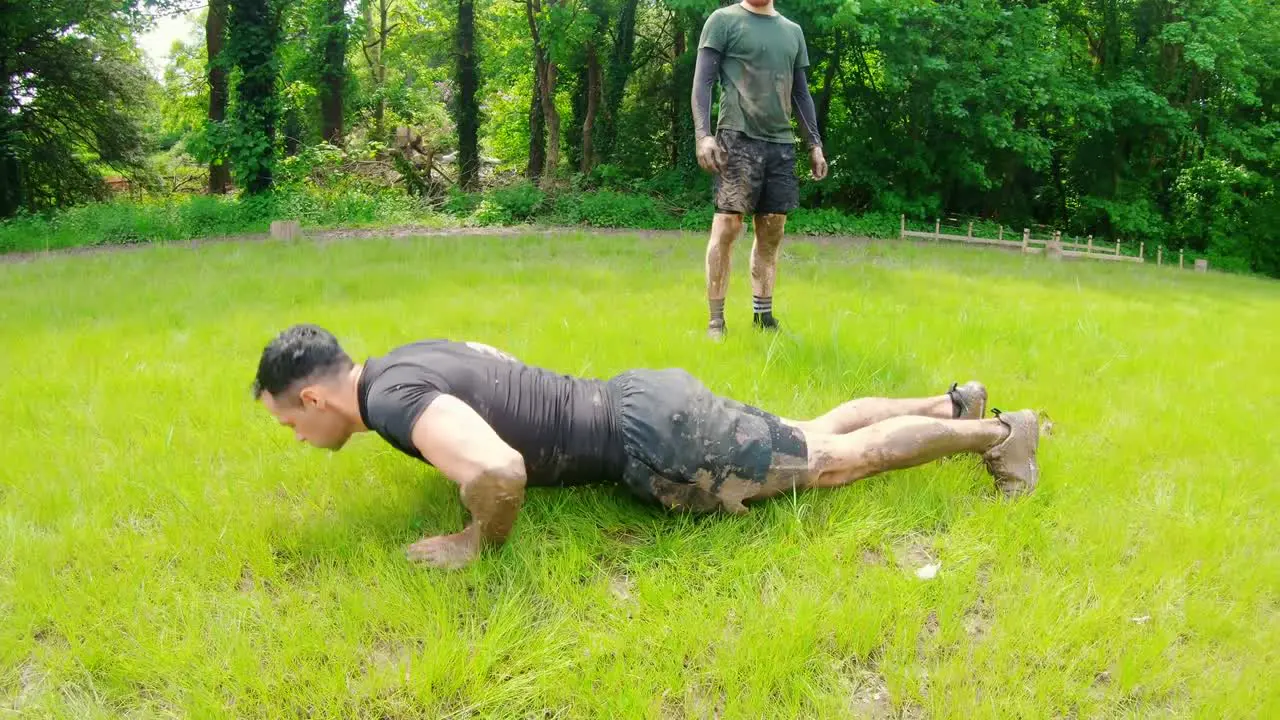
pixel 508 472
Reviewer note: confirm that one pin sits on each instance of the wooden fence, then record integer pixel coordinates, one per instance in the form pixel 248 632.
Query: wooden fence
pixel 1052 246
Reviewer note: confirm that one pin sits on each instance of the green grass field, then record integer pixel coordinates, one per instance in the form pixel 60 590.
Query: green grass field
pixel 167 550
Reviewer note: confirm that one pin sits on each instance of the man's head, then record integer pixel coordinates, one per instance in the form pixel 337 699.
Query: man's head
pixel 759 5
pixel 304 377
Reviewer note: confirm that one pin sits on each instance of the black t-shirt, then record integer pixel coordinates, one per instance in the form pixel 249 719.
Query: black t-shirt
pixel 562 425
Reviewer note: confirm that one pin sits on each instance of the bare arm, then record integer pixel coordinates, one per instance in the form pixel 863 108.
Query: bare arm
pixel 490 475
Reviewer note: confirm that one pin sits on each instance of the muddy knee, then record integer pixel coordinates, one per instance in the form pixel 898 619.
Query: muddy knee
pixel 769 231
pixel 726 228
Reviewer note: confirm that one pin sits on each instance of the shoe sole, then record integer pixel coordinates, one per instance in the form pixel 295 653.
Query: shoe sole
pixel 1023 441
pixel 982 400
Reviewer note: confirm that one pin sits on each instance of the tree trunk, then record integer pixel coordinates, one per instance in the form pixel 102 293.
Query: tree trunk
pixel 11 185
pixel 828 85
pixel 680 92
pixel 379 127
pixel 552 119
pixel 11 199
pixel 546 71
pixel 537 132
pixel 468 112
pixel 578 116
pixel 1059 185
pixel 215 34
pixel 333 72
pixel 255 27
pixel 292 132
pixel 593 105
pixel 590 80
pixel 615 83
pixel 375 45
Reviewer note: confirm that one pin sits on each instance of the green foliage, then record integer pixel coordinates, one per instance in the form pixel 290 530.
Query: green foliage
pixel 133 222
pixel 516 203
pixel 609 209
pixel 70 92
pixel 460 203
pixel 1143 120
pixel 158 221
pixel 828 221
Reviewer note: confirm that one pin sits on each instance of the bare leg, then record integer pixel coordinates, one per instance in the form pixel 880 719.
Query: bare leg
pixel 725 229
pixel 764 253
pixel 859 413
pixel 895 444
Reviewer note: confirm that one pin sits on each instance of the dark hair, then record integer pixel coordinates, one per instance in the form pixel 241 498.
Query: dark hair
pixel 301 353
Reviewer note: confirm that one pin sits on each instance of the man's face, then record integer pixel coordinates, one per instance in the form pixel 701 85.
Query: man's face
pixel 313 419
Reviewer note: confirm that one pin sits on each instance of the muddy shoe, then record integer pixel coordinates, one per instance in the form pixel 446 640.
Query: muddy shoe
pixel 765 322
pixel 968 400
pixel 716 330
pixel 1013 462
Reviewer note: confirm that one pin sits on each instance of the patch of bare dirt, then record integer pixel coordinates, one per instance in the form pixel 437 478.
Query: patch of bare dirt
pixel 914 553
pixel 869 696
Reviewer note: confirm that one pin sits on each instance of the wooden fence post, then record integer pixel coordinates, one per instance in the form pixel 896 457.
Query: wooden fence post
pixel 1053 249
pixel 1091 243
pixel 1142 250
pixel 937 229
pixel 970 229
pixel 1001 237
pixel 1117 248
pixel 1159 255
pixel 285 229
pixel 902 234
pixel 1180 258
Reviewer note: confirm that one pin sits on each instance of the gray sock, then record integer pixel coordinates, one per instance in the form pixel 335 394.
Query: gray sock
pixel 717 311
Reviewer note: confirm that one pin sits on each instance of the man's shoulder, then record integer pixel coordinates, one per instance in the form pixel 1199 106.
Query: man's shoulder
pixel 790 24
pixel 436 358
pixel 728 12
pixel 404 363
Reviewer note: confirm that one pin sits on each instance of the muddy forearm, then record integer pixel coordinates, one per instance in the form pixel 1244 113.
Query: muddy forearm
pixel 494 499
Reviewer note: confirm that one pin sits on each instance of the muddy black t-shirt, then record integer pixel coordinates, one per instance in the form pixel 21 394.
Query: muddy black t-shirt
pixel 562 425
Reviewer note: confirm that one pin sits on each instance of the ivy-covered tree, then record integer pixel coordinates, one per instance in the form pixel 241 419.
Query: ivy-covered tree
pixel 466 84
pixel 254 29
pixel 215 31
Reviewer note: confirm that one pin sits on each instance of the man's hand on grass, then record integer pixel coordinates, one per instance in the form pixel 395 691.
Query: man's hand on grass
pixel 446 551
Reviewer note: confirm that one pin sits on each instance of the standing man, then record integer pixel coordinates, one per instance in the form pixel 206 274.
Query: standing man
pixel 759 57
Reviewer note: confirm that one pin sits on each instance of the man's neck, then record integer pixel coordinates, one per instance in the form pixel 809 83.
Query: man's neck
pixel 763 10
pixel 348 402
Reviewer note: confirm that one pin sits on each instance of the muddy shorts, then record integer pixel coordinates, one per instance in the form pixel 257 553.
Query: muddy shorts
pixel 758 176
pixel 690 449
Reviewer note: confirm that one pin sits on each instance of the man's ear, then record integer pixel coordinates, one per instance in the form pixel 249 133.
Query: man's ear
pixel 311 397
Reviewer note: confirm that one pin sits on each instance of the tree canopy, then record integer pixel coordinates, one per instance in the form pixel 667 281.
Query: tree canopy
pixel 1128 119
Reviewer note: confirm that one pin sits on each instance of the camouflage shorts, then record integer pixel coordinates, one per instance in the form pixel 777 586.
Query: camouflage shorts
pixel 690 449
pixel 758 176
